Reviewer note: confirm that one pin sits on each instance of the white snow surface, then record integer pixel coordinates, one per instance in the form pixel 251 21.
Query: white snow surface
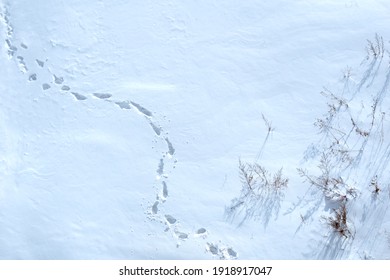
pixel 122 124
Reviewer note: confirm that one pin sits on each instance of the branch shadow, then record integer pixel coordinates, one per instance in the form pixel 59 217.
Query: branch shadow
pixel 260 207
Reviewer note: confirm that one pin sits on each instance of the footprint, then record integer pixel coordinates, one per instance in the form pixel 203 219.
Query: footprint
pixel 223 253
pixel 165 190
pixel 171 220
pixel 171 150
pixel 11 48
pixel 123 104
pixel 142 110
pixel 102 95
pixel 45 86
pixel 160 169
pixel 156 129
pixel 213 249
pixel 155 208
pixel 202 232
pixel 22 64
pixel 182 235
pixel 5 15
pixel 232 253
pixel 78 96
pixel 32 77
pixel 227 254
pixel 40 62
pixel 58 80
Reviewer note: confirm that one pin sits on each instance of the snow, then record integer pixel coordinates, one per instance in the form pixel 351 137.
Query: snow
pixel 122 124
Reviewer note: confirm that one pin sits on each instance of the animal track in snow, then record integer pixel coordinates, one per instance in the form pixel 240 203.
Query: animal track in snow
pixel 4 15
pixel 213 249
pixel 181 235
pixel 171 150
pixel 65 88
pixel 223 253
pixel 171 220
pixel 167 148
pixel 165 190
pixel 40 62
pixel 141 109
pixel 32 77
pixel 22 64
pixel 58 80
pixel 232 253
pixel 11 48
pixel 79 96
pixel 4 18
pixel 157 129
pixel 102 95
pixel 160 169
pixel 123 104
pixel 45 86
pixel 155 207
pixel 201 231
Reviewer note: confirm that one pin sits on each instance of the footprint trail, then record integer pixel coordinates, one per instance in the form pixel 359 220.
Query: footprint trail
pixel 167 152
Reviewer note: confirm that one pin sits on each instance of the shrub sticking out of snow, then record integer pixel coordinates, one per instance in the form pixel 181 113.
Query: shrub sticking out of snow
pixel 339 221
pixel 261 193
pixel 351 149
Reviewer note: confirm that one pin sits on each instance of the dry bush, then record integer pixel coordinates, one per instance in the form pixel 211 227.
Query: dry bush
pixel 375 49
pixel 333 187
pixel 268 124
pixel 261 193
pixel 351 149
pixel 339 221
pixel 375 185
pixel 256 178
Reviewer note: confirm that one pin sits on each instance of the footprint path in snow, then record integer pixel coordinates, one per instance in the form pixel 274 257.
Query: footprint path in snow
pixel 166 163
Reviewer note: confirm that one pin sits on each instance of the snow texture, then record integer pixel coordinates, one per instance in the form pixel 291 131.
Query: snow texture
pixel 194 129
